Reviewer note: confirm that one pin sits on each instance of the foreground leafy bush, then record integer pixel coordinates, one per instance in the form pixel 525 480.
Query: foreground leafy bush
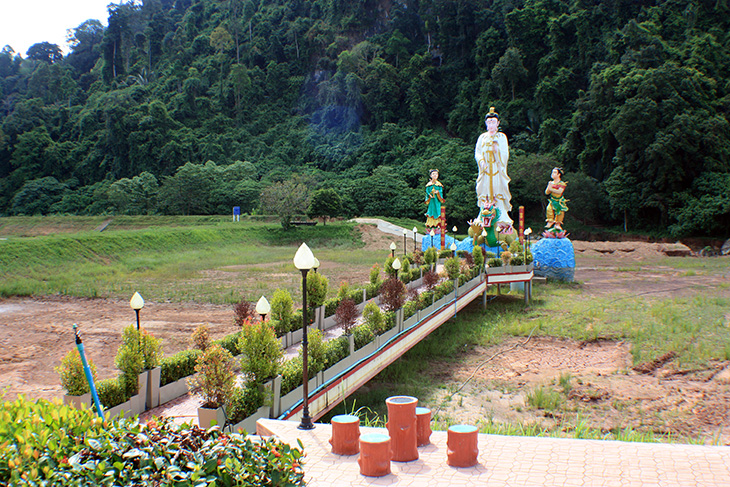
pixel 46 443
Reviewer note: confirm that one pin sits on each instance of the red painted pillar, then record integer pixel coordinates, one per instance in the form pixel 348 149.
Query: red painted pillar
pixel 443 227
pixel 522 225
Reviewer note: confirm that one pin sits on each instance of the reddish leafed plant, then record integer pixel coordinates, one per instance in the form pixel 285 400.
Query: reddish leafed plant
pixel 346 314
pixel 392 294
pixel 430 279
pixel 243 311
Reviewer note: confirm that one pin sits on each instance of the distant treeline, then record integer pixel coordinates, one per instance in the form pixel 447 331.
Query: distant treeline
pixel 194 106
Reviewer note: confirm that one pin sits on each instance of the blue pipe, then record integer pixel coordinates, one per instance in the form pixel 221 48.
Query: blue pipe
pixel 366 358
pixel 87 371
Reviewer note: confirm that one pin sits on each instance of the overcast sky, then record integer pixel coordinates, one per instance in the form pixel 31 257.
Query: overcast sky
pixel 26 22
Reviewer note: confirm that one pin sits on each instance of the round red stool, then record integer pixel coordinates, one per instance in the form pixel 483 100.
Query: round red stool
pixel 345 434
pixel 423 426
pixel 375 455
pixel 402 427
pixel 462 445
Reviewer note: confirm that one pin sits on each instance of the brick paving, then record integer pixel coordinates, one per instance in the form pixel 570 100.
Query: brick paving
pixel 518 461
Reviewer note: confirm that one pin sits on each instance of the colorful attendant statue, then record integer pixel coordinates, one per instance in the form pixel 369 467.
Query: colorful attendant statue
pixel 557 204
pixel 492 153
pixel 434 198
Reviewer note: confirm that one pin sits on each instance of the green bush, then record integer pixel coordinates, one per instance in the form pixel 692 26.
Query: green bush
pixel 73 377
pixel 336 350
pixel 373 317
pixel 445 254
pixel 112 392
pixel 330 306
pixel 409 309
pixel 244 401
pixel 477 254
pixel 282 311
pixel 375 274
pixel 175 367
pixel 363 335
pixel 201 337
pixel 443 289
pixel 430 256
pixel 494 262
pixel 151 350
pixel 452 266
pixel 356 295
pixel 47 443
pixel 291 375
pixel 261 351
pixel 316 350
pixel 230 342
pixel 317 286
pixel 129 359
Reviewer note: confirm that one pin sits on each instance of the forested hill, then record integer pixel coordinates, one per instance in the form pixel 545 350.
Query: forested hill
pixel 194 106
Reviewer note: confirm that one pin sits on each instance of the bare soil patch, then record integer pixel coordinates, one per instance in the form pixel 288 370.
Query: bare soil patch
pixel 606 392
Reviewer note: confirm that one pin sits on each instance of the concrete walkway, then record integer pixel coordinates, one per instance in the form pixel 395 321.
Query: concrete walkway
pixel 517 461
pixel 389 228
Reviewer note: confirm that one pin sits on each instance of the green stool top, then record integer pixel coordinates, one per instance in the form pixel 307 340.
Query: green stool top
pixel 345 418
pixel 374 438
pixel 463 428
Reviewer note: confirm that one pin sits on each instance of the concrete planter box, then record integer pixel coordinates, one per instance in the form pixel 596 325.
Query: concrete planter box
pixel 272 396
pixel 173 390
pixel 336 369
pixel 153 387
pixel 78 401
pixel 122 409
pixel 249 424
pixel 137 404
pixel 142 381
pixel 206 417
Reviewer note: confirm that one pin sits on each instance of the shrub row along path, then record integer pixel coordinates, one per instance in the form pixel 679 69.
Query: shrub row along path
pixel 35 333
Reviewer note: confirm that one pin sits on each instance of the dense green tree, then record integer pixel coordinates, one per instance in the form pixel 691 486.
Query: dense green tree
pixel 324 203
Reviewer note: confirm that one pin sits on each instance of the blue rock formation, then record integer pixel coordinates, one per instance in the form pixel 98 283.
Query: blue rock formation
pixel 554 258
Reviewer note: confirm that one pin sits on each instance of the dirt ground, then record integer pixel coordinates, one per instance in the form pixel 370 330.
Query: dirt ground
pixel 35 333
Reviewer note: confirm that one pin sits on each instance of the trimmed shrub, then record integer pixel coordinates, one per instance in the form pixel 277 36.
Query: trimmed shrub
pixel 430 279
pixel 291 375
pixel 73 377
pixel 477 254
pixel 430 256
pixel 452 266
pixel 244 401
pixel 261 351
pixel 363 335
pixel 230 343
pixel 282 311
pixel 177 366
pixel 129 359
pixel 151 350
pixel 112 392
pixel 336 350
pixel 375 274
pixel 316 352
pixel 317 286
pixel 494 262
pixel 373 317
pixel 409 309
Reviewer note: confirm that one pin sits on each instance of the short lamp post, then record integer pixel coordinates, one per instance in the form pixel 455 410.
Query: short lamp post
pixel 396 267
pixel 304 260
pixel 392 249
pixel 316 265
pixel 263 307
pixel 432 233
pixel 136 303
pixel 415 231
pixel 528 232
pixel 404 241
pixel 453 249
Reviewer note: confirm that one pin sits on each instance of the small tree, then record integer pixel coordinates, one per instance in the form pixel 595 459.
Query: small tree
pixel 373 318
pixel 129 359
pixel 151 350
pixel 375 274
pixel 346 314
pixel 430 256
pixel 452 267
pixel 430 279
pixel 215 377
pixel 325 203
pixel 317 286
pixel 477 254
pixel 201 337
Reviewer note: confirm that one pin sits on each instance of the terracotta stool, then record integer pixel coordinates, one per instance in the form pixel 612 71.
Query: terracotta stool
pixel 345 434
pixel 462 446
pixel 375 454
pixel 402 427
pixel 423 426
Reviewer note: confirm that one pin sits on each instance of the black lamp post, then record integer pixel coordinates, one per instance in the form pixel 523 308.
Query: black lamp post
pixel 453 249
pixel 432 233
pixel 415 231
pixel 392 249
pixel 304 261
pixel 136 303
pixel 404 241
